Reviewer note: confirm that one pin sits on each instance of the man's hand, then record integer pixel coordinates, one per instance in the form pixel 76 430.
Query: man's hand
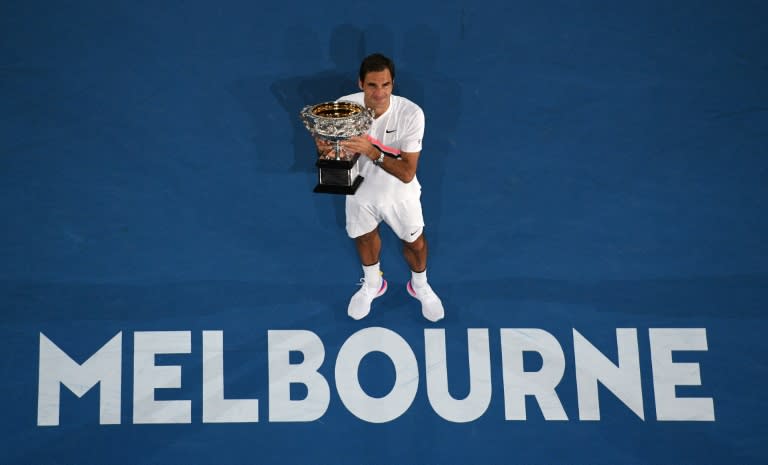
pixel 324 148
pixel 361 144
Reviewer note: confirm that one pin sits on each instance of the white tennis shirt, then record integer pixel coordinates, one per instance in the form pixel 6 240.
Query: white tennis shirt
pixel 399 129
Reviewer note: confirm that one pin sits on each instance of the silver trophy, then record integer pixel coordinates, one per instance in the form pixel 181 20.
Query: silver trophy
pixel 338 173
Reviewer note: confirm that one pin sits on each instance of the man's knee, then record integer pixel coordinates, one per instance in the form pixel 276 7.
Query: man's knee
pixel 416 246
pixel 368 237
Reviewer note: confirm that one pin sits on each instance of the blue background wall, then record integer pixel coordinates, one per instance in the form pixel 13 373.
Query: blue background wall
pixel 588 165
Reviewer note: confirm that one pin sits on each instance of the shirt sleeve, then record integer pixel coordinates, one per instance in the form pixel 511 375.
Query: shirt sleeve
pixel 413 132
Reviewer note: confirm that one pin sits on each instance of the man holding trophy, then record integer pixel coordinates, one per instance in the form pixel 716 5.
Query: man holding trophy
pixel 387 158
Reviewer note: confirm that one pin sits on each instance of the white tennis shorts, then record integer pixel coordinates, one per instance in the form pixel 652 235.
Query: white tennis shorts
pixel 404 217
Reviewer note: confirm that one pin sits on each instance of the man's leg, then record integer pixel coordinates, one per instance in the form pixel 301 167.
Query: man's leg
pixel 369 248
pixel 415 254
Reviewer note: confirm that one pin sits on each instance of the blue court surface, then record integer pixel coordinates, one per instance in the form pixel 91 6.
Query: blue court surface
pixel 595 188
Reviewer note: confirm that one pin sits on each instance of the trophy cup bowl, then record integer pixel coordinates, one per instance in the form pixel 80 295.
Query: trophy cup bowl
pixel 336 121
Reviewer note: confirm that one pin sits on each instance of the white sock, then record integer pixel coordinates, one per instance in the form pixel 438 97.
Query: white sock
pixel 419 279
pixel 372 275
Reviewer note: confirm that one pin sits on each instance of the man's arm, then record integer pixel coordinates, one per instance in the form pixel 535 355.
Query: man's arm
pixel 403 169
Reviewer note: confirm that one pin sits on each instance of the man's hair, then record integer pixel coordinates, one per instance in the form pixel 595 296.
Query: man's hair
pixel 376 62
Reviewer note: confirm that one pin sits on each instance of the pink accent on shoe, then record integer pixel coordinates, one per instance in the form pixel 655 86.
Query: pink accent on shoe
pixel 383 287
pixel 409 287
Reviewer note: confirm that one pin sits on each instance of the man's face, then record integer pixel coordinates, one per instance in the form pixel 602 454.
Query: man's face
pixel 377 88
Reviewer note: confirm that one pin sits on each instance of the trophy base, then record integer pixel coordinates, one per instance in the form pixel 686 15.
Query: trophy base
pixel 338 176
pixel 338 189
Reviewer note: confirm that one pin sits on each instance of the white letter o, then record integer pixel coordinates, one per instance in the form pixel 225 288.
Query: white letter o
pixel 400 398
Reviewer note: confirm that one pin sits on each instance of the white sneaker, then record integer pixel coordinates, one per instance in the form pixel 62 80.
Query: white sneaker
pixel 431 306
pixel 360 303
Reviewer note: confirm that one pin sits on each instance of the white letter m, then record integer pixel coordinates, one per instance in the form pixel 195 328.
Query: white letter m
pixel 56 367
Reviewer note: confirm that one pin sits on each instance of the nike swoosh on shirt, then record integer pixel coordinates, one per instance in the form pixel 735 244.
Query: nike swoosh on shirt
pixel 389 131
